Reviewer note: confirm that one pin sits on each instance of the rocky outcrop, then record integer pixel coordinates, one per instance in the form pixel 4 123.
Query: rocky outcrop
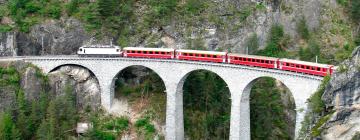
pixel 86 86
pixel 33 82
pixel 342 95
pixel 52 37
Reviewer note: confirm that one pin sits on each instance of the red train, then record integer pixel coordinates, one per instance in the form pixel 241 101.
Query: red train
pixel 217 57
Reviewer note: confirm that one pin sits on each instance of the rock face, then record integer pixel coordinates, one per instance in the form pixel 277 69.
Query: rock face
pixel 86 86
pixel 7 98
pixel 32 84
pixel 342 95
pixel 61 37
pixel 227 25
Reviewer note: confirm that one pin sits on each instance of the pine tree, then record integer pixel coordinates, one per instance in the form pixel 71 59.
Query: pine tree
pixel 22 121
pixel 8 129
pixel 107 8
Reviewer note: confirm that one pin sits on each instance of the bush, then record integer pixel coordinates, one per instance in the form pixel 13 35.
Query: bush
pixel 5 28
pixel 357 40
pixel 355 10
pixel 194 7
pixel 32 7
pixel 144 124
pixel 310 52
pixel 276 43
pixel 252 43
pixel 72 7
pixel 302 29
pixel 316 104
pixel 343 2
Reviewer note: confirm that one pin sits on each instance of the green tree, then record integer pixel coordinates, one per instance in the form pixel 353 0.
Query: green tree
pixel 206 106
pixel 276 42
pixel 303 29
pixel 310 52
pixel 23 122
pixel 107 7
pixel 355 10
pixel 8 130
pixel 267 115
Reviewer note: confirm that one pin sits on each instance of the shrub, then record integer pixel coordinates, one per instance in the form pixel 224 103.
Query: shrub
pixel 355 10
pixel 32 7
pixel 5 28
pixel 357 40
pixel 72 7
pixel 316 104
pixel 252 43
pixel 144 124
pixel 194 7
pixel 310 52
pixel 276 43
pixel 302 29
pixel 343 2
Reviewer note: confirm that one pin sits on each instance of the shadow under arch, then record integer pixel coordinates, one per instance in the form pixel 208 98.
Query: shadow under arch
pixel 86 78
pixel 284 89
pixel 138 89
pixel 203 97
pixel 114 79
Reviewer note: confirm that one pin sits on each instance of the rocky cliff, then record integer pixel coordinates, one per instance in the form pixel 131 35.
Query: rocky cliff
pixel 342 96
pixel 32 82
pixel 218 25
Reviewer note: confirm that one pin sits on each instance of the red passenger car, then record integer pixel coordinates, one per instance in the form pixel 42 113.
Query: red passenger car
pixel 305 67
pixel 251 60
pixel 161 53
pixel 208 56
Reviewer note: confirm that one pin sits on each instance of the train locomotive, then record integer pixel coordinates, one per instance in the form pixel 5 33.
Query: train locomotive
pixel 209 56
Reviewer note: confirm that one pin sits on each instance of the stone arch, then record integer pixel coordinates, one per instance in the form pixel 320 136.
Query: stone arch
pixel 86 84
pixel 113 80
pixel 71 64
pixel 245 100
pixel 180 95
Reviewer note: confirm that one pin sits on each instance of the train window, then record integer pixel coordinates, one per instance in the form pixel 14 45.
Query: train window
pixel 214 56
pixel 287 64
pixel 208 55
pixel 185 54
pixel 162 52
pixel 267 61
pixel 307 67
pixel 202 55
pixel 156 52
pixel 318 69
pixel 117 50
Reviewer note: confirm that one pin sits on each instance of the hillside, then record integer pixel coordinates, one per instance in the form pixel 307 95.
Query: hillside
pixel 304 30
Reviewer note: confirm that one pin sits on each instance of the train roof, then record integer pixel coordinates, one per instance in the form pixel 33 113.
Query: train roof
pixel 99 46
pixel 253 56
pixel 202 52
pixel 305 63
pixel 149 49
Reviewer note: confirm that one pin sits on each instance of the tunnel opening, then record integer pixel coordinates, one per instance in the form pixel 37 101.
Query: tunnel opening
pixel 140 96
pixel 207 105
pixel 272 110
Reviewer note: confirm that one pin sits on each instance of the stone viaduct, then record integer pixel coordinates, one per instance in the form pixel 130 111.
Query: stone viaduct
pixel 239 80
